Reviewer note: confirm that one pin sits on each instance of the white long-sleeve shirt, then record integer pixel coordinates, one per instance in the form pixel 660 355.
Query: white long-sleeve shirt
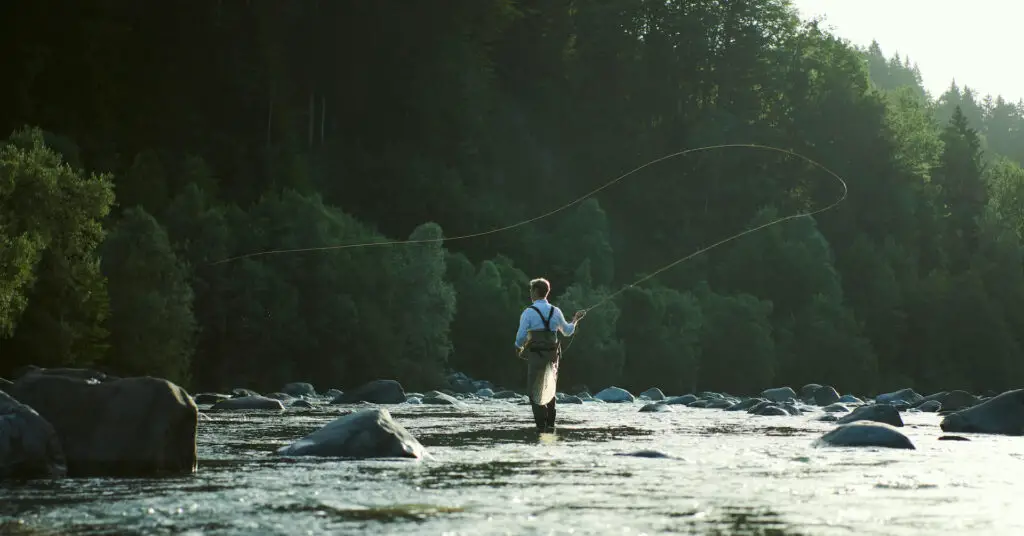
pixel 530 320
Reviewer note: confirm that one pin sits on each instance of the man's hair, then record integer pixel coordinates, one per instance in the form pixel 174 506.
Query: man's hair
pixel 540 287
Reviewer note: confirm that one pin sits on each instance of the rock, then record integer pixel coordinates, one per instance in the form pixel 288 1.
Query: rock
pixel 460 383
pixel 123 427
pixel 699 404
pixel 248 402
pixel 414 400
pixel 929 406
pixel 772 410
pixel 299 389
pixel 209 398
pixel 906 396
pixel 850 399
pixel 614 394
pixel 569 399
pixel 368 433
pixel 283 397
pixel 654 394
pixel 655 407
pixel 951 401
pixel 883 413
pixel 862 434
pixel 708 395
pixel 826 395
pixel 240 393
pixel 5 384
pixel 779 394
pixel 762 403
pixel 644 454
pixel 299 403
pixel 719 403
pixel 435 397
pixel 333 393
pixel 485 393
pixel 807 391
pixel 501 395
pixel 1003 414
pixel 375 392
pixel 835 408
pixel 29 445
pixel 745 405
pixel 828 418
pixel 953 438
pixel 684 400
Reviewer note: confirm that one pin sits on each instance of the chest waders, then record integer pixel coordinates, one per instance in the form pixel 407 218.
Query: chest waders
pixel 542 352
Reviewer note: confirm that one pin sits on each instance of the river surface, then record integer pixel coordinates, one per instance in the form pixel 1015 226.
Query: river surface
pixel 489 473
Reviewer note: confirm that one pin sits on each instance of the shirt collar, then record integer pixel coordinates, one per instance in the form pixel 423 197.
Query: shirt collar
pixel 542 300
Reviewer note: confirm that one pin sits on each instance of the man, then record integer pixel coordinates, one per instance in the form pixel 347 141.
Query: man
pixel 537 342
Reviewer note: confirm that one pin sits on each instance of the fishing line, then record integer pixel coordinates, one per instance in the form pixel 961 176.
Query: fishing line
pixel 576 202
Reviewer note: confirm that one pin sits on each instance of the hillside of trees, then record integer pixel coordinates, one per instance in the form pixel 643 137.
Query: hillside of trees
pixel 145 142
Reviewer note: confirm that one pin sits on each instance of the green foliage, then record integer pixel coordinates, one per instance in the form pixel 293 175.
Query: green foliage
pixel 151 322
pixel 54 302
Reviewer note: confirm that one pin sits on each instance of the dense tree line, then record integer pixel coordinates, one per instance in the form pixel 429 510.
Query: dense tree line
pixel 148 143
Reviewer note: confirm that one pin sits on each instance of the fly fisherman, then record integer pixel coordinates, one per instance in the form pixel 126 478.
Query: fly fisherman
pixel 537 342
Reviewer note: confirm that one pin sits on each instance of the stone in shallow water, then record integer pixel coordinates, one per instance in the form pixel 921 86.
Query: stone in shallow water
pixel 883 413
pixel 826 395
pixel 684 400
pixel 655 407
pixel 376 392
pixel 249 402
pixel 29 446
pixel 644 454
pixel 865 434
pixel 369 433
pixel 614 394
pixel 1003 414
pixel 905 396
pixel 653 393
pixel 779 394
pixel 298 389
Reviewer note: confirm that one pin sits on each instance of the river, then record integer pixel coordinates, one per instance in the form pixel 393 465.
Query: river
pixel 488 473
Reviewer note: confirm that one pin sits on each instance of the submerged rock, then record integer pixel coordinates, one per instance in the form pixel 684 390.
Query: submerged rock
pixel 835 408
pixel 299 389
pixel 485 393
pixel 951 401
pixel 953 438
pixel 883 413
pixel 569 399
pixel 929 406
pixel 863 434
pixel 438 398
pixel 241 393
pixel 850 399
pixel 1003 414
pixel 655 407
pixel 29 445
pixel 375 392
pixel 501 395
pixel 369 433
pixel 283 397
pixel 249 402
pixel 614 394
pixel 299 403
pixel 654 394
pixel 645 454
pixel 123 427
pixel 745 404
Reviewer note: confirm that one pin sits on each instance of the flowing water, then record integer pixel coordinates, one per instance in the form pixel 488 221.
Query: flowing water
pixel 489 473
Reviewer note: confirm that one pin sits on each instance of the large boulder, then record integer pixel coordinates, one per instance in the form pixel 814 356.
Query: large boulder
pixel 370 433
pixel 1003 414
pixel 951 401
pixel 825 396
pixel 299 389
pixel 865 434
pixel 29 446
pixel 375 392
pixel 124 427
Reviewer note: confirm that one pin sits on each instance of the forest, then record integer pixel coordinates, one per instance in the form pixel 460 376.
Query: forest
pixel 145 142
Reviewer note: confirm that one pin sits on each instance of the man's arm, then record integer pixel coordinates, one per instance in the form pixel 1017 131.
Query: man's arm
pixel 521 334
pixel 567 328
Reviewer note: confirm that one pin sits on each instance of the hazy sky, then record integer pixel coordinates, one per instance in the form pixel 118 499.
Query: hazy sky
pixel 978 43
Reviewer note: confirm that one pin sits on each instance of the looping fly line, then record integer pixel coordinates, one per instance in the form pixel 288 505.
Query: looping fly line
pixel 579 200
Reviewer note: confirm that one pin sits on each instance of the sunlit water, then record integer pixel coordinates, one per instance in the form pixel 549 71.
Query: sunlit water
pixel 729 473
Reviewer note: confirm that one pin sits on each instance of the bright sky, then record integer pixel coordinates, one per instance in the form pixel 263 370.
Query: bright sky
pixel 975 42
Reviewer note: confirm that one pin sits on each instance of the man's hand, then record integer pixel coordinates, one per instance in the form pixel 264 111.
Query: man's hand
pixel 578 316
